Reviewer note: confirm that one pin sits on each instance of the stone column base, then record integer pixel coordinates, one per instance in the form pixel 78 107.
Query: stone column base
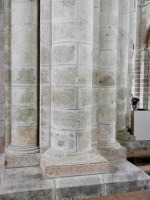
pixel 21 157
pixel 125 136
pixel 112 151
pixel 57 164
pixel 21 151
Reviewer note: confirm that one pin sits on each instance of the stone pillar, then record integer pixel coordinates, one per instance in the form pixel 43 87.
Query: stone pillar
pixel 144 79
pixel 45 73
pixel 96 34
pixel 137 52
pixel 1 76
pixel 122 71
pixel 106 81
pixel 7 69
pixel 24 77
pixel 130 60
pixel 71 81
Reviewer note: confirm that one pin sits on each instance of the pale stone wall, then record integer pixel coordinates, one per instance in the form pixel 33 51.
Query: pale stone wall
pixel 1 76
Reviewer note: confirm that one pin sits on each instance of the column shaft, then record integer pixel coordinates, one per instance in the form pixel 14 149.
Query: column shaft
pixel 2 105
pixel 137 52
pixel 106 81
pixel 122 71
pixel 71 83
pixel 45 73
pixel 24 76
pixel 130 59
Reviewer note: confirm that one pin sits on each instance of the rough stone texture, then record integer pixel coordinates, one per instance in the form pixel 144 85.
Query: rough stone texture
pixel 125 136
pixel 125 177
pixel 75 35
pixel 7 66
pixel 130 60
pixel 136 145
pixel 45 73
pixel 58 164
pixel 71 93
pixel 122 71
pixel 112 153
pixel 24 77
pixel 1 167
pixel 12 161
pixel 104 82
pixel 26 183
pixel 137 53
pixel 2 98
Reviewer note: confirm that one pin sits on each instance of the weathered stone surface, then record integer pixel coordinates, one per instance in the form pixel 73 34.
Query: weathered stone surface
pixel 28 184
pixel 81 187
pixel 71 120
pixel 125 177
pixel 13 159
pixel 110 152
pixel 136 145
pixel 59 164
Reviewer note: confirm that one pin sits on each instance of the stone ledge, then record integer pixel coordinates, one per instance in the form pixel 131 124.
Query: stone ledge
pixel 27 183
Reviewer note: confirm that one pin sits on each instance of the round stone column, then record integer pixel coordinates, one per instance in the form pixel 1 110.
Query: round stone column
pixel 71 80
pixel 130 61
pixel 137 50
pixel 122 71
pixel 24 78
pixel 106 81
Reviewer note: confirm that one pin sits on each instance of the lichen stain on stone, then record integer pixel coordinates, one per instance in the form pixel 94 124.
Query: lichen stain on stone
pixel 60 143
pixel 68 3
pixel 28 135
pixel 26 116
pixel 27 97
pixel 96 75
pixel 6 163
pixel 107 81
pixel 26 76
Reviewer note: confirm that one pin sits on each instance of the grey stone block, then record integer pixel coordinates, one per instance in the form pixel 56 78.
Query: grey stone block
pixel 80 187
pixel 34 195
pixel 125 177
